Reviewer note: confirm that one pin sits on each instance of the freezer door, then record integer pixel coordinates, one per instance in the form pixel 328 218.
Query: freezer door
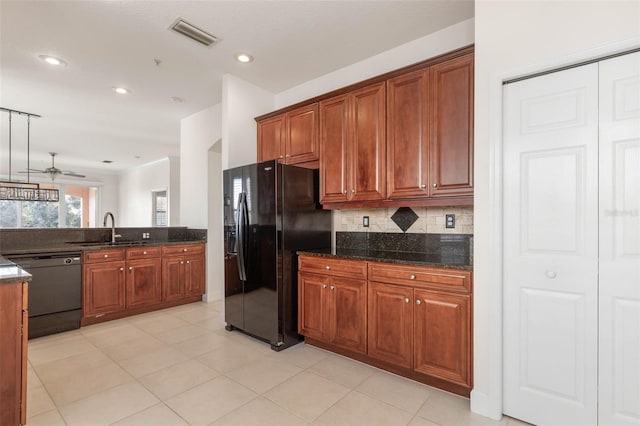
pixel 233 288
pixel 261 260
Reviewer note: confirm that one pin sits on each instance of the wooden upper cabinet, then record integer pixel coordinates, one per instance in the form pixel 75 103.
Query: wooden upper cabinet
pixel 334 156
pixel 271 138
pixel 352 141
pixel 291 138
pixel 301 139
pixel 407 135
pixel 451 127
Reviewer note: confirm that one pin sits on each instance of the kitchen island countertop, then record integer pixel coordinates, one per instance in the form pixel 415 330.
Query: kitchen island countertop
pixel 10 272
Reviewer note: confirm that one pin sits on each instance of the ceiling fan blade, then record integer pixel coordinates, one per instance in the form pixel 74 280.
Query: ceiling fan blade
pixel 33 171
pixel 73 174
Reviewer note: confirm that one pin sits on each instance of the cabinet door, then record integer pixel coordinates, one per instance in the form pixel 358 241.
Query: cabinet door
pixel 312 310
pixel 271 138
pixel 368 145
pixel 390 335
pixel 194 275
pixel 302 135
pixel 334 145
pixel 103 288
pixel 144 285
pixel 451 127
pixel 173 287
pixel 442 341
pixel 407 135
pixel 348 306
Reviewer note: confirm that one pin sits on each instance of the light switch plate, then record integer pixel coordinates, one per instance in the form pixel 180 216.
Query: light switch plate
pixel 365 221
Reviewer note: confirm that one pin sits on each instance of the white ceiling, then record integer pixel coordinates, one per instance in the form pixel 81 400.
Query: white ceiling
pixel 114 43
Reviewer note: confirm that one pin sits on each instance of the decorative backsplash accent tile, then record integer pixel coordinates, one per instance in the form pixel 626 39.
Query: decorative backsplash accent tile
pixel 404 217
pixel 431 220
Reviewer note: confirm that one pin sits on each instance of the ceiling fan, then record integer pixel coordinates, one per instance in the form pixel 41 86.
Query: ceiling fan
pixel 53 172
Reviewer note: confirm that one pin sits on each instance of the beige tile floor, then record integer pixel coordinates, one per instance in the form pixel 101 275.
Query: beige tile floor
pixel 180 367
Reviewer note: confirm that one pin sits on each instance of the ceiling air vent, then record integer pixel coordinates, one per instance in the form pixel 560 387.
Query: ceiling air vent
pixel 194 33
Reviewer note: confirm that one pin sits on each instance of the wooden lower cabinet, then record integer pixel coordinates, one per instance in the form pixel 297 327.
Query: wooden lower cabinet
pixel 103 288
pixel 442 336
pixel 13 352
pixel 417 320
pixel 390 335
pixel 334 310
pixel 121 282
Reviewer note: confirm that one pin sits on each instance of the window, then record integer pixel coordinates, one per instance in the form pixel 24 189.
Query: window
pixel 73 211
pixel 160 208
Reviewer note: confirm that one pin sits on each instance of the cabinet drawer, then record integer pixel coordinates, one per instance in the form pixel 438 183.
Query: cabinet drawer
pixel 109 255
pixel 144 252
pixel 336 267
pixel 453 280
pixel 182 249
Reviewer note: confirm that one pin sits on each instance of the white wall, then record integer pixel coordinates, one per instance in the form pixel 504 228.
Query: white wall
pixel 241 103
pixel 198 133
pixel 174 191
pixel 445 40
pixel 514 38
pixel 109 198
pixel 135 186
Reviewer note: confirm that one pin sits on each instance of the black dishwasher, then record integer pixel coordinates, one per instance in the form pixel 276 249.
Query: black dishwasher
pixel 55 291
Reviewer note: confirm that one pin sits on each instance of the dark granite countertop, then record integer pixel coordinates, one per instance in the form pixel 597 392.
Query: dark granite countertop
pixel 10 272
pixel 405 258
pixel 74 247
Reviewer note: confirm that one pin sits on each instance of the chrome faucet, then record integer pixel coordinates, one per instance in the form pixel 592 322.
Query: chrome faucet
pixel 113 226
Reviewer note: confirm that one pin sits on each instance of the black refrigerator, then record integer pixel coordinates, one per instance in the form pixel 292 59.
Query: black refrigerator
pixel 271 210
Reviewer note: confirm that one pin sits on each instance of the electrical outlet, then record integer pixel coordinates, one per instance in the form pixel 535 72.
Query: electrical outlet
pixel 365 221
pixel 145 235
pixel 450 221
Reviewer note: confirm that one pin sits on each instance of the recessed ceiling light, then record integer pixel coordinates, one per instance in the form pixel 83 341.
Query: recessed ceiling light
pixel 121 90
pixel 244 58
pixel 52 60
pixel 177 99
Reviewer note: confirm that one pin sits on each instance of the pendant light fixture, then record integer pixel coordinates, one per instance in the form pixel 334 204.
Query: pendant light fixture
pixel 21 191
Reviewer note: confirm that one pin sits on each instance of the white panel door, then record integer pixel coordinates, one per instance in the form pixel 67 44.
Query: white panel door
pixel 619 398
pixel 550 248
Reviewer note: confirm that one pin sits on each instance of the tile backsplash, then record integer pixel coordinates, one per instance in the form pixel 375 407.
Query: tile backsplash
pixel 431 220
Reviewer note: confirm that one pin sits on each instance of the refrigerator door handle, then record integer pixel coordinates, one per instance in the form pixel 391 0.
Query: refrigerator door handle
pixel 240 236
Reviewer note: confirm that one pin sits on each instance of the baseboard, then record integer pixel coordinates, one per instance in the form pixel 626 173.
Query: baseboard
pixel 481 404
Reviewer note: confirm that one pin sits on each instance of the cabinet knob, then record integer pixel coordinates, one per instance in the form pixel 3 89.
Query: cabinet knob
pixel 188 262
pixel 423 186
pixel 344 192
pixel 288 155
pixel 328 267
pixel 122 269
pixel 412 277
pixel 418 301
pixel 182 262
pixel 184 249
pixel 324 286
pixel 435 185
pixel 353 191
pixel 281 156
pixel 106 255
pixel 131 268
pixel 333 287
pixel 406 300
pixel 144 252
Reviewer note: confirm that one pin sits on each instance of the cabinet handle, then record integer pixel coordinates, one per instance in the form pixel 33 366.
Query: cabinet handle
pixel 412 277
pixel 333 287
pixel 106 255
pixel 406 300
pixel 324 286
pixel 424 185
pixel 435 185
pixel 328 268
pixel 122 269
pixel 418 301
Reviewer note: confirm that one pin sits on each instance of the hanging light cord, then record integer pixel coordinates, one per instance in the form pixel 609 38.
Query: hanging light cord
pixel 28 148
pixel 9 145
